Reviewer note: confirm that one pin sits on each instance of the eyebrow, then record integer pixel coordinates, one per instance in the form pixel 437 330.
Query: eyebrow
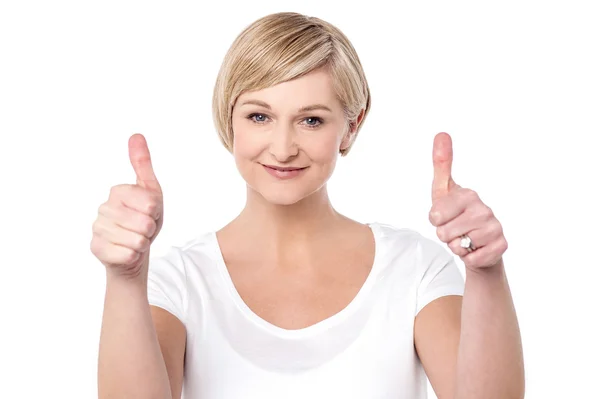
pixel 303 109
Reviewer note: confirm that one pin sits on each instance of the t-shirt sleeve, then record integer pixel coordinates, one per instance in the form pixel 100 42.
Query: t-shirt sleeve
pixel 167 287
pixel 440 275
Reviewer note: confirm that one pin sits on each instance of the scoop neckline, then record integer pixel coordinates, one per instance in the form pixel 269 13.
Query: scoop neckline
pixel 308 331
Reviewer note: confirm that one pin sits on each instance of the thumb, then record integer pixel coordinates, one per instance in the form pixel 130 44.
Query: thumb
pixel 139 155
pixel 442 166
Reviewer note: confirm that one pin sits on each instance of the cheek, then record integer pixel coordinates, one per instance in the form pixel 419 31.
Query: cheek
pixel 325 150
pixel 245 145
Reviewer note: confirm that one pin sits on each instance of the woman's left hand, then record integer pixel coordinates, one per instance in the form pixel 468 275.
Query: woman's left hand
pixel 457 211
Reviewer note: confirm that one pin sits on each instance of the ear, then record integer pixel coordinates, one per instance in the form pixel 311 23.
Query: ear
pixel 352 129
pixel 347 139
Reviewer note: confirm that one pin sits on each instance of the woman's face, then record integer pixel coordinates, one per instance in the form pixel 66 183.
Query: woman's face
pixel 287 137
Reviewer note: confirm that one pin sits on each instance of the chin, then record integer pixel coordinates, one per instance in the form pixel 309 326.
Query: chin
pixel 283 195
pixel 286 191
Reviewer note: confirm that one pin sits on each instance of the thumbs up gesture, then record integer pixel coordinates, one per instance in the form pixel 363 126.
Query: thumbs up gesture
pixel 131 218
pixel 460 216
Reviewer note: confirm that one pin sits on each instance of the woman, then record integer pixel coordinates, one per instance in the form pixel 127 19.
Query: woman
pixel 292 299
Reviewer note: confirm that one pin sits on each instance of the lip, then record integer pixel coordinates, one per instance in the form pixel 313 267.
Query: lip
pixel 284 172
pixel 285 168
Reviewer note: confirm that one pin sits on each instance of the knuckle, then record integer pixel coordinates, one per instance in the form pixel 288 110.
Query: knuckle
pixel 106 209
pixel 98 247
pixel 102 208
pixel 140 242
pixel 441 233
pixel 120 191
pixel 434 216
pixel 482 212
pixel 98 227
pixel 115 190
pixel 149 226
pixel 94 228
pixel 498 227
pixel 130 256
pixel 94 245
pixel 431 218
pixel 470 194
pixel 151 206
pixel 488 211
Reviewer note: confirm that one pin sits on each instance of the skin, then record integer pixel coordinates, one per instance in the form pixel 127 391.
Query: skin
pixel 141 347
pixel 488 362
pixel 289 243
pixel 299 246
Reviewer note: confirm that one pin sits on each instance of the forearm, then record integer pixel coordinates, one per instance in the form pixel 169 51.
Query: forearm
pixel 130 363
pixel 490 355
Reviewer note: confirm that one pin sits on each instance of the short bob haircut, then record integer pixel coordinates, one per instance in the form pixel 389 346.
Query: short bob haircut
pixel 280 47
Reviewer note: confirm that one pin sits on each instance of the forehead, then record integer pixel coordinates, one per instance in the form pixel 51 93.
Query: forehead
pixel 314 87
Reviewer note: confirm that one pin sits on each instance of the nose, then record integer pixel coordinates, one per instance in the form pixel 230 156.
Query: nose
pixel 283 143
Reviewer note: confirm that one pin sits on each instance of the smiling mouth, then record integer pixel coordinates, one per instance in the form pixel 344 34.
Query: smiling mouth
pixel 284 168
pixel 284 173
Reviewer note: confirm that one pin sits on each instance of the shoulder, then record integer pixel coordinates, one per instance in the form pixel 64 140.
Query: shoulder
pixel 409 247
pixel 389 231
pixel 170 270
pixel 408 239
pixel 178 260
pixel 201 246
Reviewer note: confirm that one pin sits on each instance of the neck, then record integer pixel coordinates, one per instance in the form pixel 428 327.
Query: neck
pixel 284 225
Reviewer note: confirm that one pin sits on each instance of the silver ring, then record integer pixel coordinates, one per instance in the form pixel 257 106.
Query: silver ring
pixel 466 242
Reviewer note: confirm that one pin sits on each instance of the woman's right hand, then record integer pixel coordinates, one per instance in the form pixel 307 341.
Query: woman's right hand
pixel 131 218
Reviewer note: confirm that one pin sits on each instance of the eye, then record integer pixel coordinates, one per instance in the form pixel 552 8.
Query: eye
pixel 312 121
pixel 260 117
pixel 315 121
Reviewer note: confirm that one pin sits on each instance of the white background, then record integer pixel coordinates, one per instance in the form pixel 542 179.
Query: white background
pixel 515 83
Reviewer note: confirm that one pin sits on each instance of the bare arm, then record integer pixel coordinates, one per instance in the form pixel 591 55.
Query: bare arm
pixel 437 335
pixel 489 361
pixel 172 339
pixel 471 347
pixel 130 362
pixel 141 349
pixel 490 355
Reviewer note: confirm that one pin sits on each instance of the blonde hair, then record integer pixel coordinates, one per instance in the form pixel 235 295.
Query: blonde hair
pixel 280 47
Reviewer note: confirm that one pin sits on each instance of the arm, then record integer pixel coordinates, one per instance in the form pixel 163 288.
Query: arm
pixel 490 355
pixel 130 362
pixel 172 339
pixel 489 362
pixel 437 337
pixel 141 350
pixel 471 347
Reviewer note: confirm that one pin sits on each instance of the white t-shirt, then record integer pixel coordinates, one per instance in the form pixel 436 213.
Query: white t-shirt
pixel 364 351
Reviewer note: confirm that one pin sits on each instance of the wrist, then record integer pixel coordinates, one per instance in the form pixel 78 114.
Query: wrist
pixel 494 271
pixel 139 280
